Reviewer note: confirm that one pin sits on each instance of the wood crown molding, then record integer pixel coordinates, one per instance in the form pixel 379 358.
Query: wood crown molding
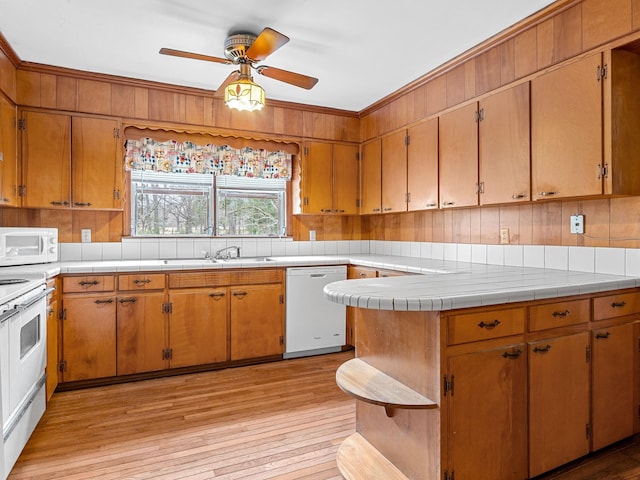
pixel 501 37
pixel 6 48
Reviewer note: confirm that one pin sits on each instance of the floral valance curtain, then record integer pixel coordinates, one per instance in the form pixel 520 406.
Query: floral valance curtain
pixel 173 156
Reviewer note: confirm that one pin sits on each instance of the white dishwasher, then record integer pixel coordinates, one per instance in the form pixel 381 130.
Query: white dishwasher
pixel 314 325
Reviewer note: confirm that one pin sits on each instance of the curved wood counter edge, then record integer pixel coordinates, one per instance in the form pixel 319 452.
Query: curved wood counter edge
pixel 357 459
pixel 364 382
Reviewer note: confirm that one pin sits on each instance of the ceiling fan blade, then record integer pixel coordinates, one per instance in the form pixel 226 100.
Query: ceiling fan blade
pixel 267 42
pixel 297 79
pixel 219 93
pixel 195 56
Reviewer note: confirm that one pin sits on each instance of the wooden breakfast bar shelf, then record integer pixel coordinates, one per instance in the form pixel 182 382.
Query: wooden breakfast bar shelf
pixel 366 383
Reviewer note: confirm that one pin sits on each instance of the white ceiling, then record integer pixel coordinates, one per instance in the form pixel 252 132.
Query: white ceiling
pixel 361 50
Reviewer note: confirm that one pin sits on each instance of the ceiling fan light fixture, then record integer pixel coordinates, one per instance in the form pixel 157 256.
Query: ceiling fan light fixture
pixel 244 95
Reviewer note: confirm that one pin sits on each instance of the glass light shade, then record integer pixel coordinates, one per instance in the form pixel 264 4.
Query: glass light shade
pixel 243 94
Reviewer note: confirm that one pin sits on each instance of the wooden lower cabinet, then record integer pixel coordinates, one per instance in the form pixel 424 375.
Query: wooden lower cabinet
pixel 257 321
pixel 487 411
pixel 88 337
pixel 141 333
pixel 559 427
pixel 198 329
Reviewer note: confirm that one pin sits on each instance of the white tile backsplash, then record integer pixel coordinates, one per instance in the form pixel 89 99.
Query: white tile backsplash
pixel 610 260
pixel 582 259
pixel 514 255
pixel 479 253
pixel 495 255
pixel 632 264
pixel 556 257
pixel 450 252
pixel 534 256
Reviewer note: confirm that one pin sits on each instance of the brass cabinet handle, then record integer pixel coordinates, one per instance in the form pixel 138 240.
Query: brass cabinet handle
pixel 518 196
pixel 217 295
pixel 128 300
pixel 548 194
pixel 618 304
pixel 603 335
pixel 6 200
pixel 239 294
pixel 544 349
pixel 376 209
pixel 64 202
pixel 325 210
pixel 98 302
pixel 85 283
pixel 431 205
pixel 339 211
pixel 489 326
pixel 513 355
pixel 388 209
pixel 139 281
pixel 448 204
pixel 566 313
pixel 82 204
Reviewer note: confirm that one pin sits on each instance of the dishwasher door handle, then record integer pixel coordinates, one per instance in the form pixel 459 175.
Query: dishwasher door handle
pixel 318 275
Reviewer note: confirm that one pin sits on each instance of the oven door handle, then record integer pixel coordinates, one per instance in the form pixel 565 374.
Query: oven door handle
pixel 8 314
pixel 34 300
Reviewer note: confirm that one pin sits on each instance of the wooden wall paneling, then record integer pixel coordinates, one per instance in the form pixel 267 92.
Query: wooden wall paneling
pixel 510 218
pixel 635 14
pixel 461 225
pixel 417 100
pixel 525 224
pixel 392 227
pixel 544 45
pixel 331 227
pixel 398 116
pixel 603 20
pixel 67 93
pixel 352 227
pixel 470 79
pixel 547 223
pixel 314 125
pixel 376 227
pixel 407 227
pixel 194 109
pixel 436 95
pixel 141 98
pixel 447 227
pixel 475 225
pixel 525 53
pixel 569 208
pixel 209 111
pixel 567 33
pixel 123 100
pixel 488 70
pixel 28 88
pixel 48 90
pixel 346 129
pixel 94 97
pixel 437 226
pixel 85 219
pixel 490 225
pixel 597 214
pixel 63 221
pixel 507 62
pixel 8 76
pixel 161 105
pixel 118 220
pixel 624 225
pixel 456 86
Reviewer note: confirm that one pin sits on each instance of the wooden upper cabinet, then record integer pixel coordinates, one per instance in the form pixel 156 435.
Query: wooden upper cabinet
pixel 345 179
pixel 422 165
pixel 566 131
pixel 459 157
pixel 97 165
pixel 504 147
pixel 370 178
pixel 8 154
pixel 46 159
pixel 394 172
pixel 316 178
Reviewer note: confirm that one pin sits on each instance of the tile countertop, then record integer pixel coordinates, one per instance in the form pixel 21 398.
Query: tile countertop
pixel 441 285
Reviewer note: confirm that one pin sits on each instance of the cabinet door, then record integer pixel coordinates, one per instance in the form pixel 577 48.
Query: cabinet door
pixel 345 179
pixel 46 159
pixel 89 337
pixel 257 314
pixel 558 401
pixel 198 330
pixel 488 411
pixel 317 174
pixel 8 154
pixel 566 131
pixel 422 165
pixel 370 178
pixel 504 156
pixel 141 333
pixel 394 172
pixel 459 157
pixel 613 381
pixel 97 167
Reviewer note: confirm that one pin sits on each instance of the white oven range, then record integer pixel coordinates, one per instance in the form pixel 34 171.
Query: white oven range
pixel 22 361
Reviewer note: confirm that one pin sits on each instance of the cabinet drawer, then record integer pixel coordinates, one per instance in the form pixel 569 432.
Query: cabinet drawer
pixel 558 314
pixel 148 281
pixel 199 279
pixel 618 305
pixel 88 283
pixel 471 327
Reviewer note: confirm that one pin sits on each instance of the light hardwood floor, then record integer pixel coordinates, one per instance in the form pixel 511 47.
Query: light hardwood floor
pixel 281 420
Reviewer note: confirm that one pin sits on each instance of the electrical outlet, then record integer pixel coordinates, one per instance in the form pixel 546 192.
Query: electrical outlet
pixel 312 235
pixel 577 224
pixel 86 235
pixel 504 236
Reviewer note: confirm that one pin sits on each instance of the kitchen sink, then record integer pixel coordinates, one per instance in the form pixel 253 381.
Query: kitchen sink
pixel 188 261
pixel 244 260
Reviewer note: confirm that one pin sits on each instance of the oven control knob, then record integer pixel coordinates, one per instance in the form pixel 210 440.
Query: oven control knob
pixel 52 240
pixel 52 249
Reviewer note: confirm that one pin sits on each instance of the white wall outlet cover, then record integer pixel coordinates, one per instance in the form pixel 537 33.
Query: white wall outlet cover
pixel 86 235
pixel 312 235
pixel 577 224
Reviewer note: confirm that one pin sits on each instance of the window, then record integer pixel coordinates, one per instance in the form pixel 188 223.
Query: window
pixel 173 204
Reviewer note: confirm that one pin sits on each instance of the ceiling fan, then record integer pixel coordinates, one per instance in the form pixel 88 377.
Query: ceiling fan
pixel 245 50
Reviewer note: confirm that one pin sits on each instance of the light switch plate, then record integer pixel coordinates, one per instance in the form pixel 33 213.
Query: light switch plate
pixel 577 224
pixel 505 239
pixel 86 235
pixel 312 235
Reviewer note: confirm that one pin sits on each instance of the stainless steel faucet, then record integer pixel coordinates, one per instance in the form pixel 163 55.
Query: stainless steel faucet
pixel 219 254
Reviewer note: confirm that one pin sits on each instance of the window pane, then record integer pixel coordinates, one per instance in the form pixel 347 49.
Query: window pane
pixel 250 212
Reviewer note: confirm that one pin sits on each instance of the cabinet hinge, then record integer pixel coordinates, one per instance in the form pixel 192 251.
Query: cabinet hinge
pixel 116 194
pixel 479 188
pixel 601 72
pixel 22 190
pixel 358 202
pixel 604 171
pixel 167 354
pixel 449 475
pixel 587 431
pixel 306 151
pixel 588 353
pixel 281 299
pixel 22 124
pixel 62 366
pixel 407 140
pixel 479 115
pixel 407 197
pixel 116 133
pixel 358 156
pixel 281 340
pixel 63 314
pixel 448 384
pixel 167 307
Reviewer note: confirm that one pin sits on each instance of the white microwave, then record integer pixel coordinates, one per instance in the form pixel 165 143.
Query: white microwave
pixel 25 246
